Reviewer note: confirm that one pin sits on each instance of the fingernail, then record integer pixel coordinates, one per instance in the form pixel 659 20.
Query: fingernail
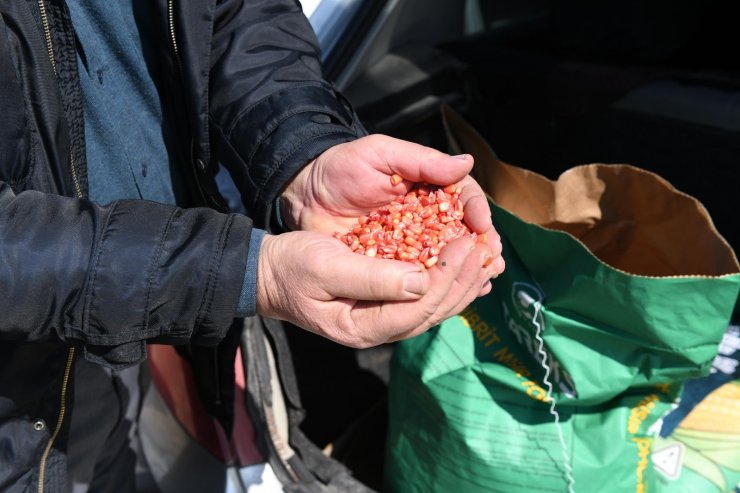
pixel 487 260
pixel 460 156
pixel 413 282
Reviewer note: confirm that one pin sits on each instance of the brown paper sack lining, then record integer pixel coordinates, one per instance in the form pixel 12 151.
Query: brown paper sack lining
pixel 629 218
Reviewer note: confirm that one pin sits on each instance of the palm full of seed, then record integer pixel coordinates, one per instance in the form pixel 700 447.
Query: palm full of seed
pixel 412 227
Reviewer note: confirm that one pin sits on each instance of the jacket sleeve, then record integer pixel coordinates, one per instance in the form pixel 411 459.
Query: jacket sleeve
pixel 114 277
pixel 271 110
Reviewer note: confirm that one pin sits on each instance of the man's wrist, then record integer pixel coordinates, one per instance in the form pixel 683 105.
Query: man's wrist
pixel 290 203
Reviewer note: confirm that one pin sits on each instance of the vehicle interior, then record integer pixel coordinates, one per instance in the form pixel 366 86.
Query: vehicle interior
pixel 550 84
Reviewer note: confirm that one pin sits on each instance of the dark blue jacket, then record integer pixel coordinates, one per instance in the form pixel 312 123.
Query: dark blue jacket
pixel 242 84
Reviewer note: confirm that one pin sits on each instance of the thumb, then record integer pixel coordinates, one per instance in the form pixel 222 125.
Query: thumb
pixel 359 277
pixel 418 163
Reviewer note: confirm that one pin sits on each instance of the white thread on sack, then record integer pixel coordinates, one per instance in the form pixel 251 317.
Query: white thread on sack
pixel 546 380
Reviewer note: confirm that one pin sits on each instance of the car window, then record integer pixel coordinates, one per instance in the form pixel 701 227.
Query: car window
pixel 330 19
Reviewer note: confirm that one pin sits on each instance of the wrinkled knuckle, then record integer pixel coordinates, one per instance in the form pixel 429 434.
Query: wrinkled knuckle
pixel 348 333
pixel 365 344
pixel 431 153
pixel 434 320
pixel 432 316
pixel 383 284
pixel 376 139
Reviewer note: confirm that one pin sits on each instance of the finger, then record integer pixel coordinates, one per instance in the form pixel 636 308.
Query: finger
pixel 463 290
pixel 417 163
pixel 494 265
pixel 493 240
pixel 409 333
pixel 497 264
pixel 453 265
pixel 485 289
pixel 396 318
pixel 481 286
pixel 475 206
pixel 359 277
pixel 468 283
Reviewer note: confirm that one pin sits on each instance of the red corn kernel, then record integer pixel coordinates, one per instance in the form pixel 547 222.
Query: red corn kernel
pixel 390 248
pixel 413 252
pixel 412 227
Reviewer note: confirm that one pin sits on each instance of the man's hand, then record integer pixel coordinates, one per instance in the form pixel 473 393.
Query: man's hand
pixel 317 283
pixel 349 180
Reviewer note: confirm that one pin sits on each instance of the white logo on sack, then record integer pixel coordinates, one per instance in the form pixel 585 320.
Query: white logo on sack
pixel 526 300
pixel 668 460
pixel 726 362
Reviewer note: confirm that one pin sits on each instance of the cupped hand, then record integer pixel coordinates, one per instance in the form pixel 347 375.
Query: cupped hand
pixel 316 282
pixel 351 179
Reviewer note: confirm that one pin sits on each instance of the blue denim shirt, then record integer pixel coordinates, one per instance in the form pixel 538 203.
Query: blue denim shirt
pixel 125 131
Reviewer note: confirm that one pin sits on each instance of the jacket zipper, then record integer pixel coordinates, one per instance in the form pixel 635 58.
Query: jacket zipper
pixel 52 59
pixel 47 35
pixel 71 350
pixel 173 36
pixel 60 420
